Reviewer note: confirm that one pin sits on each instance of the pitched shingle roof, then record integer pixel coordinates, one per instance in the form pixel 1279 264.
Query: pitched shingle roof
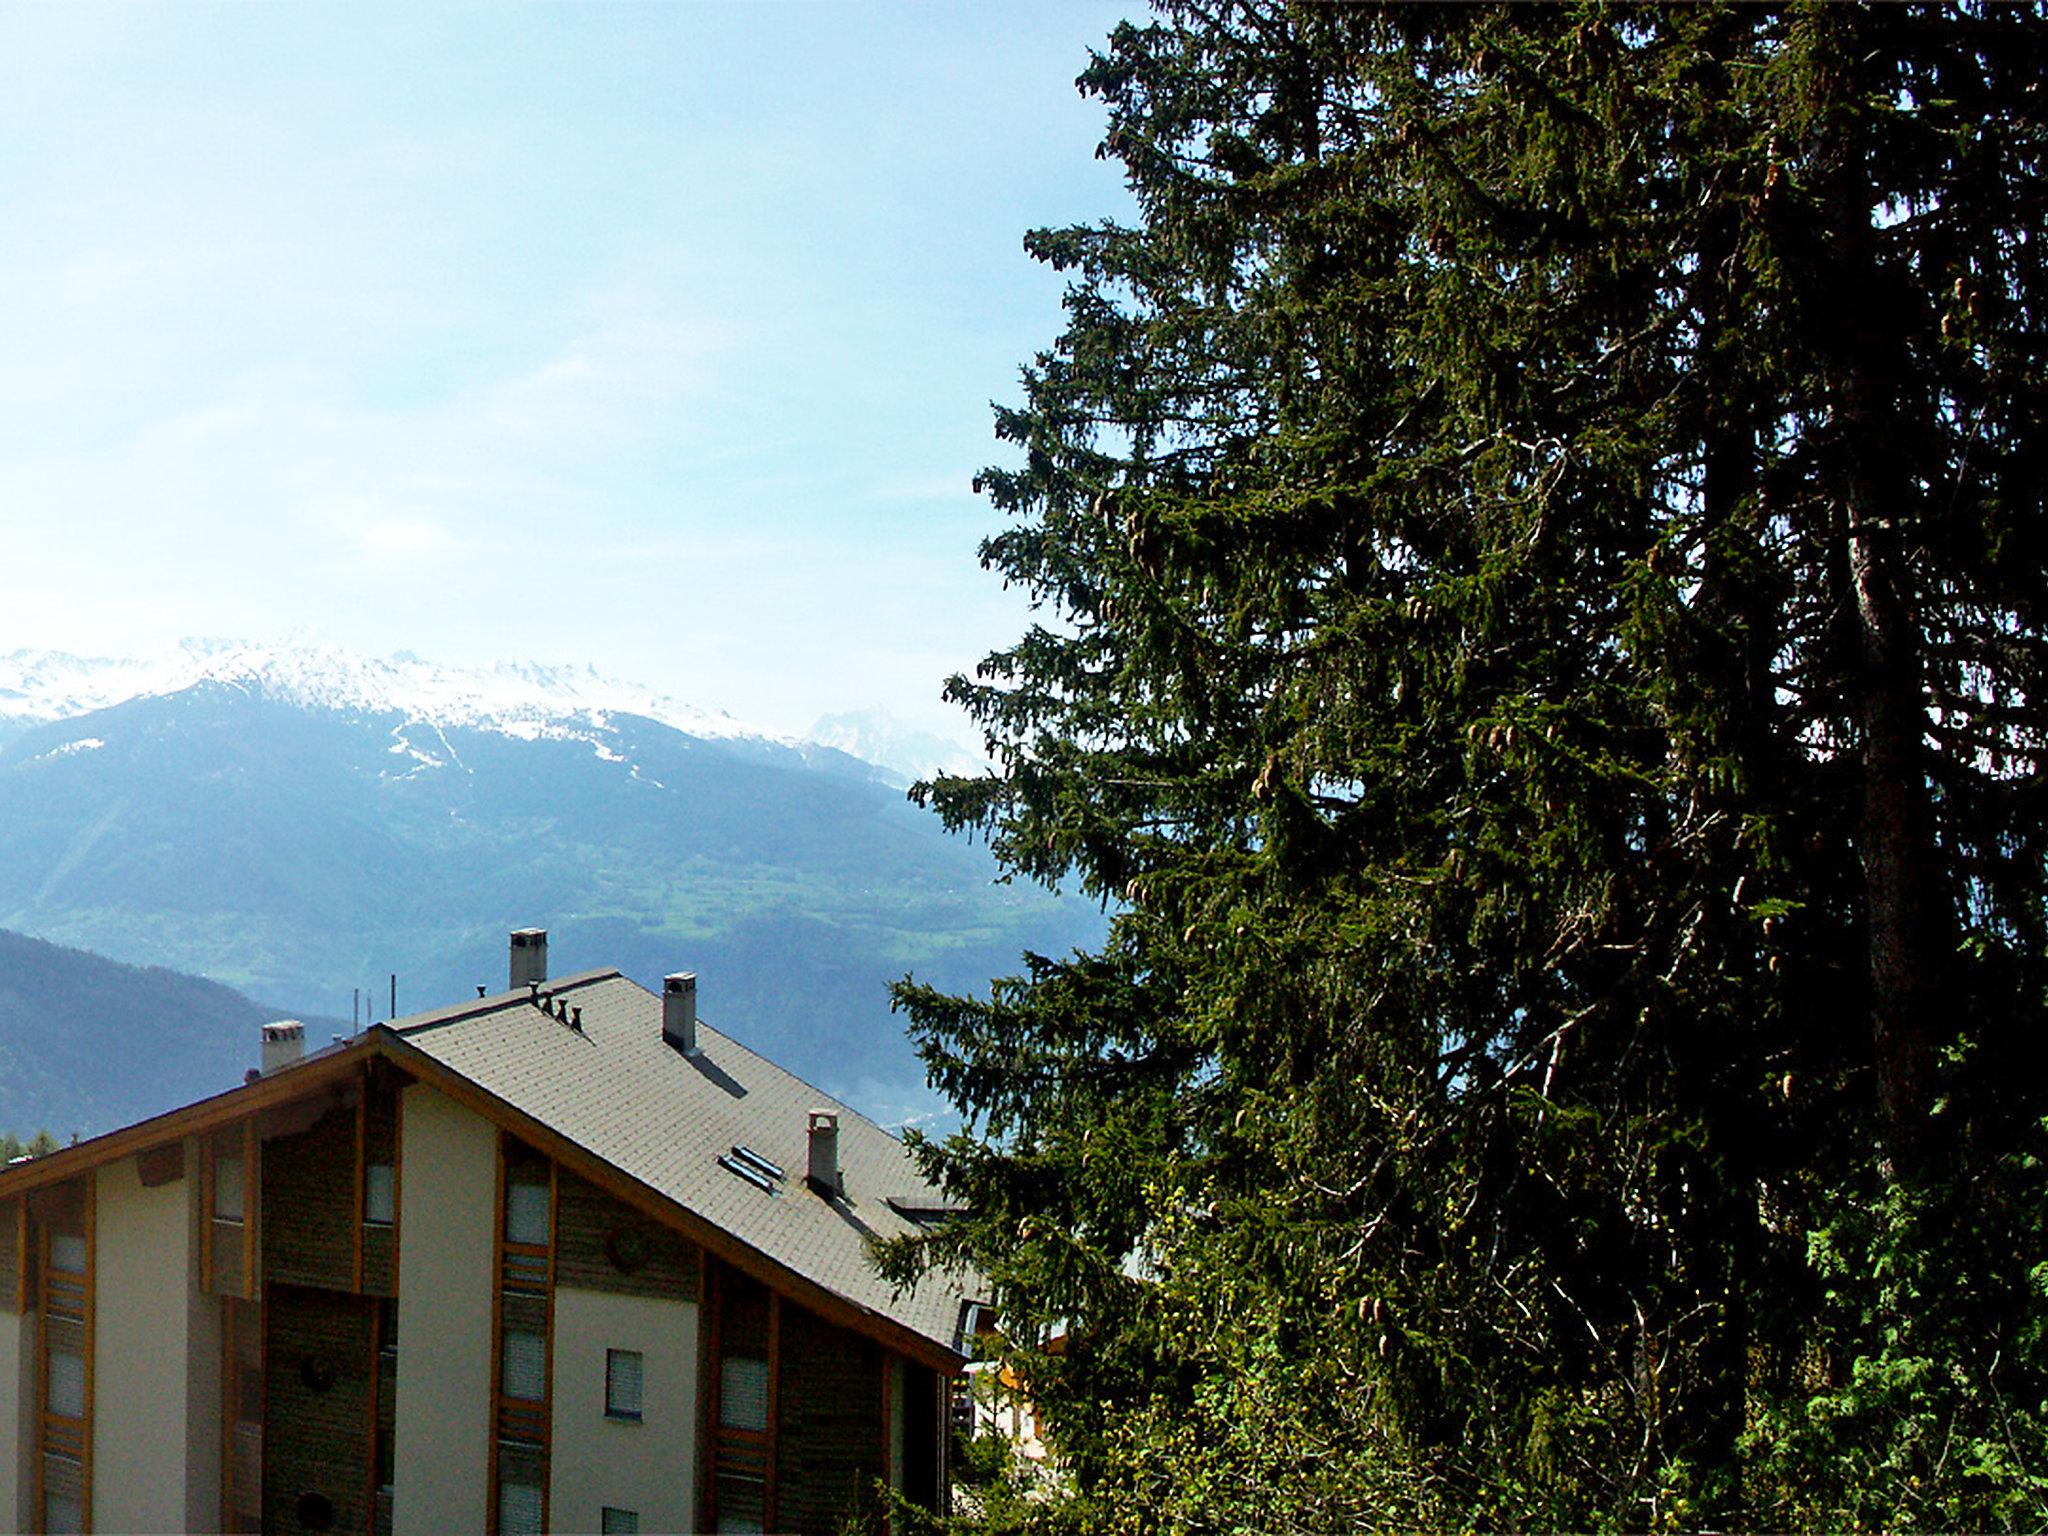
pixel 619 1091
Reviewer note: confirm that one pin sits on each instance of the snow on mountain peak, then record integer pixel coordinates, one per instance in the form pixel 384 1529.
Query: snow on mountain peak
pixel 517 698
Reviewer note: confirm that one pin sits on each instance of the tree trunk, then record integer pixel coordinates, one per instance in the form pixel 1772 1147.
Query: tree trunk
pixel 1903 888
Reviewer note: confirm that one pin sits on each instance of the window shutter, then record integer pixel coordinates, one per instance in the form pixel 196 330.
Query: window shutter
pixel 526 1214
pixel 227 1189
pixel 743 1393
pixel 525 1366
pixel 67 1384
pixel 518 1509
pixel 622 1373
pixel 62 1513
pixel 380 1202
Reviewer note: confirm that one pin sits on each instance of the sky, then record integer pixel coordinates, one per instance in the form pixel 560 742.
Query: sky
pixel 657 337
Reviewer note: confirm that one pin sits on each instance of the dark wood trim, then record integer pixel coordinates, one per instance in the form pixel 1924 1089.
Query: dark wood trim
pixel 252 1208
pixel 497 1341
pixel 206 1285
pixel 768 1488
pixel 213 1114
pixel 711 1338
pixel 78 1432
pixel 21 1273
pixel 355 1220
pixel 547 1482
pixel 158 1166
pixel 230 1388
pixel 888 1440
pixel 376 1386
pixel 90 1218
pixel 705 1461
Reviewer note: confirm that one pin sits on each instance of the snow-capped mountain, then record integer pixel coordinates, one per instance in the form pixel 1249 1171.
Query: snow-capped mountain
pixel 513 698
pixel 298 822
pixel 877 737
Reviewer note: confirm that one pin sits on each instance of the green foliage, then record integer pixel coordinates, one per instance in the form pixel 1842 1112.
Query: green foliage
pixel 1538 533
pixel 42 1144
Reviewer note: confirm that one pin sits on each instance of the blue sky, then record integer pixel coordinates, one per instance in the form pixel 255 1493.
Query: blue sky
pixel 659 337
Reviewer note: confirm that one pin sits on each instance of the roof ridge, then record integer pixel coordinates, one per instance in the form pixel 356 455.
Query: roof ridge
pixel 476 1007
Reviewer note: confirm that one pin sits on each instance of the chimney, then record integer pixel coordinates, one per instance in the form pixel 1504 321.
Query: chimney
pixel 825 1176
pixel 529 957
pixel 284 1042
pixel 679 1011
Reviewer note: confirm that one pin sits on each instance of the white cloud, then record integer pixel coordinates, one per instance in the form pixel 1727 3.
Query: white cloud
pixel 370 534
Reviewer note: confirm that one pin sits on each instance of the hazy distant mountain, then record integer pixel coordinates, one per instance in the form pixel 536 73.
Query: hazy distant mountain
pixel 297 822
pixel 87 1044
pixel 908 754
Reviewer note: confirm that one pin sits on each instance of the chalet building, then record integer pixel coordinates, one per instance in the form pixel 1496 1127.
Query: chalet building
pixel 562 1258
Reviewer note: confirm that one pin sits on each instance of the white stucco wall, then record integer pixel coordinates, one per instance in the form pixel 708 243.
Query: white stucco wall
pixel 17 1392
pixel 449 1171
pixel 142 1293
pixel 650 1466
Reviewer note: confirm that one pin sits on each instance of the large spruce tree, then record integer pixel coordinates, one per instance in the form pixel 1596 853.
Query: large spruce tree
pixel 1539 530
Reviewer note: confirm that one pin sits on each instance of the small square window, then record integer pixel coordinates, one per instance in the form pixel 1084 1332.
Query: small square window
pixel 67 1252
pixel 227 1189
pixel 380 1194
pixel 526 1214
pixel 618 1522
pixel 622 1377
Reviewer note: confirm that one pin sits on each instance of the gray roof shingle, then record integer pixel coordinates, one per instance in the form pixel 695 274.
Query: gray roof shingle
pixel 619 1091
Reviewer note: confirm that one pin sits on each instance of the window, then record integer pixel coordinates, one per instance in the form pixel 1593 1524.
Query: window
pixel 66 1386
pixel 67 1253
pixel 622 1369
pixel 623 1522
pixel 526 1214
pixel 525 1366
pixel 518 1509
pixel 61 1512
pixel 742 1503
pixel 743 1393
pixel 380 1194
pixel 227 1189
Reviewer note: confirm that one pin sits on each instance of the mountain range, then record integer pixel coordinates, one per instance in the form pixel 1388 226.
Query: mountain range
pixel 300 823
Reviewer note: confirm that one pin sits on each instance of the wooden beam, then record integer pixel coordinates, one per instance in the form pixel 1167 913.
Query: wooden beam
pixel 194 1119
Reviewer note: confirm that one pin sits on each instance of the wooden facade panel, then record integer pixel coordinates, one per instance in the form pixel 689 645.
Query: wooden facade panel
pixel 830 1423
pixel 309 1204
pixel 157 1166
pixel 228 1246
pixel 380 1149
pixel 318 1409
pixel 13 1228
pixel 380 1261
pixel 603 1244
